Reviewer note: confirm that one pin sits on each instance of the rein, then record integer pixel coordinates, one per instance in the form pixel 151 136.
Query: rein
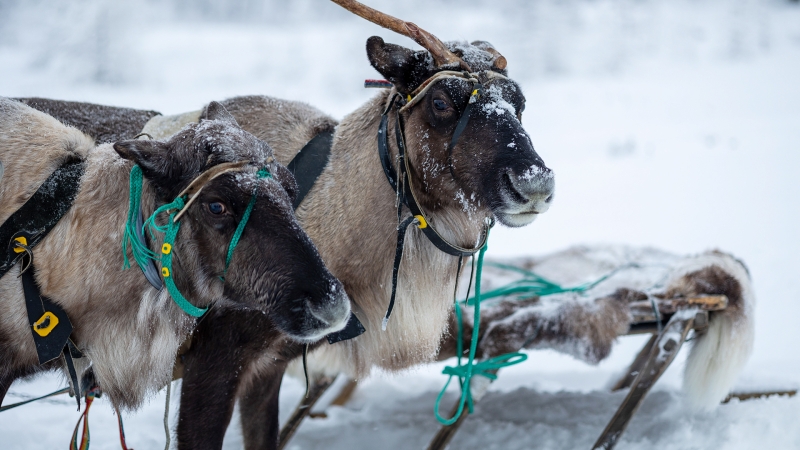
pixel 142 253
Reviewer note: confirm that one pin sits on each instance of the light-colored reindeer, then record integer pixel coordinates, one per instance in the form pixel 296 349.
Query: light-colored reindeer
pixel 126 328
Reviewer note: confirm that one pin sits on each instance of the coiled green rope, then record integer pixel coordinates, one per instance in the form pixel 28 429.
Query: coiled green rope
pixel 485 368
pixel 140 251
pixel 531 285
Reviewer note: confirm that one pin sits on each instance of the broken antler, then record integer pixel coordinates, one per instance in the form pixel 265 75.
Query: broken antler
pixel 442 56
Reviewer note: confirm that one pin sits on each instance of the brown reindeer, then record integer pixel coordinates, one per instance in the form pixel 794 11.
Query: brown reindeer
pixel 127 329
pixel 491 172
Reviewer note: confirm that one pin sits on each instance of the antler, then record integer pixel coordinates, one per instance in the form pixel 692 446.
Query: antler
pixel 442 56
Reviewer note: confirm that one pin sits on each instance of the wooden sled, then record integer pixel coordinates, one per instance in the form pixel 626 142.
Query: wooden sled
pixel 305 408
pixel 678 317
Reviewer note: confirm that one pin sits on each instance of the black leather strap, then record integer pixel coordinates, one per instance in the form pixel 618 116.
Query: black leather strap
pixel 308 165
pixel 462 125
pixel 43 210
pixel 383 146
pixel 32 222
pixel 150 271
pixel 50 346
pixel 49 324
pixel 407 194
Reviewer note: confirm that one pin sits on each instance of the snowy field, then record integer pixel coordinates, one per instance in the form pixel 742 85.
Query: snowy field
pixel 668 124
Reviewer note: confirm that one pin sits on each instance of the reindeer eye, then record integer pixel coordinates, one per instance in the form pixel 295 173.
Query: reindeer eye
pixel 441 105
pixel 216 208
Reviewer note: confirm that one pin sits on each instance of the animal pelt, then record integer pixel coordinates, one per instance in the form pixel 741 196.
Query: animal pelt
pixel 100 122
pixel 342 194
pixel 127 329
pixel 586 325
pixel 718 355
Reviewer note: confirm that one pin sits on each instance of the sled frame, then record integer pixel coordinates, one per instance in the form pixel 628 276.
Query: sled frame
pixel 643 373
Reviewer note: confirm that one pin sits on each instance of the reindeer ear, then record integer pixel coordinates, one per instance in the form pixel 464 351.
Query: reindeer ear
pixel 215 111
pixel 145 153
pixel 405 68
pixel 498 61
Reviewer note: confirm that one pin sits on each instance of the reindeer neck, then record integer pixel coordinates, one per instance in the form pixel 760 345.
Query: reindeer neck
pixel 113 311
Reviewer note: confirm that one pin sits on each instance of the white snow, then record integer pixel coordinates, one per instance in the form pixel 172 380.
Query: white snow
pixel 496 104
pixel 670 124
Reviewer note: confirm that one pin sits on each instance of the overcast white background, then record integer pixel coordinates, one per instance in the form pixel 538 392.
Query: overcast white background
pixel 668 124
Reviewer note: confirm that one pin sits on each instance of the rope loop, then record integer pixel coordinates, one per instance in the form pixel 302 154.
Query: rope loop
pixel 465 372
pixel 530 285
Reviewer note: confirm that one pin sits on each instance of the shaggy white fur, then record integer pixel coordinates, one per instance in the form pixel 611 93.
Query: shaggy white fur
pixel 718 355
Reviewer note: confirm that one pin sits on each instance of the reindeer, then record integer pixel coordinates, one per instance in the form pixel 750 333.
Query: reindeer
pixel 489 171
pixel 129 330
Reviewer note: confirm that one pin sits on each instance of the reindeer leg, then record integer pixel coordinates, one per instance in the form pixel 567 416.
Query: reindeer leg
pixel 211 376
pixel 259 404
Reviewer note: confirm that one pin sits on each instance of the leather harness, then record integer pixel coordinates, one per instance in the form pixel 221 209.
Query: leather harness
pixel 50 326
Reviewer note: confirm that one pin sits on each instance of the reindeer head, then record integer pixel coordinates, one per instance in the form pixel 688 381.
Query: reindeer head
pixel 275 269
pixel 493 165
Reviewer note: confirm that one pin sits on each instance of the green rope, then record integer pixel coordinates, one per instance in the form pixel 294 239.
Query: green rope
pixel 533 285
pixel 466 371
pixel 170 229
pixel 262 173
pixel 140 251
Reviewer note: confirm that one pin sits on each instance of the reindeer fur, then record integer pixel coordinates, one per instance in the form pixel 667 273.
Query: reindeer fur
pixel 128 330
pixel 351 193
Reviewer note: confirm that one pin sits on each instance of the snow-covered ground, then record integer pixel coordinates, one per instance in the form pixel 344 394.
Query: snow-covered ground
pixel 669 124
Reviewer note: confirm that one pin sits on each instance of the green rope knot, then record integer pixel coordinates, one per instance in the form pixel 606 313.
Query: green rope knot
pixel 465 372
pixel 486 368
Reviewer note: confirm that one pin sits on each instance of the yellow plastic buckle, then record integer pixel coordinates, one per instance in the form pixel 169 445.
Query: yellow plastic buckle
pixel 474 93
pixel 165 272
pixel 45 324
pixel 166 248
pixel 422 222
pixel 22 241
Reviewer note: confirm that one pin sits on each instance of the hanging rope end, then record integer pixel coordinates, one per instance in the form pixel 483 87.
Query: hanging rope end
pixel 384 323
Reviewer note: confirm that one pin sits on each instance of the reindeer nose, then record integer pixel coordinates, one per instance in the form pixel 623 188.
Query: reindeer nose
pixel 334 310
pixel 535 187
